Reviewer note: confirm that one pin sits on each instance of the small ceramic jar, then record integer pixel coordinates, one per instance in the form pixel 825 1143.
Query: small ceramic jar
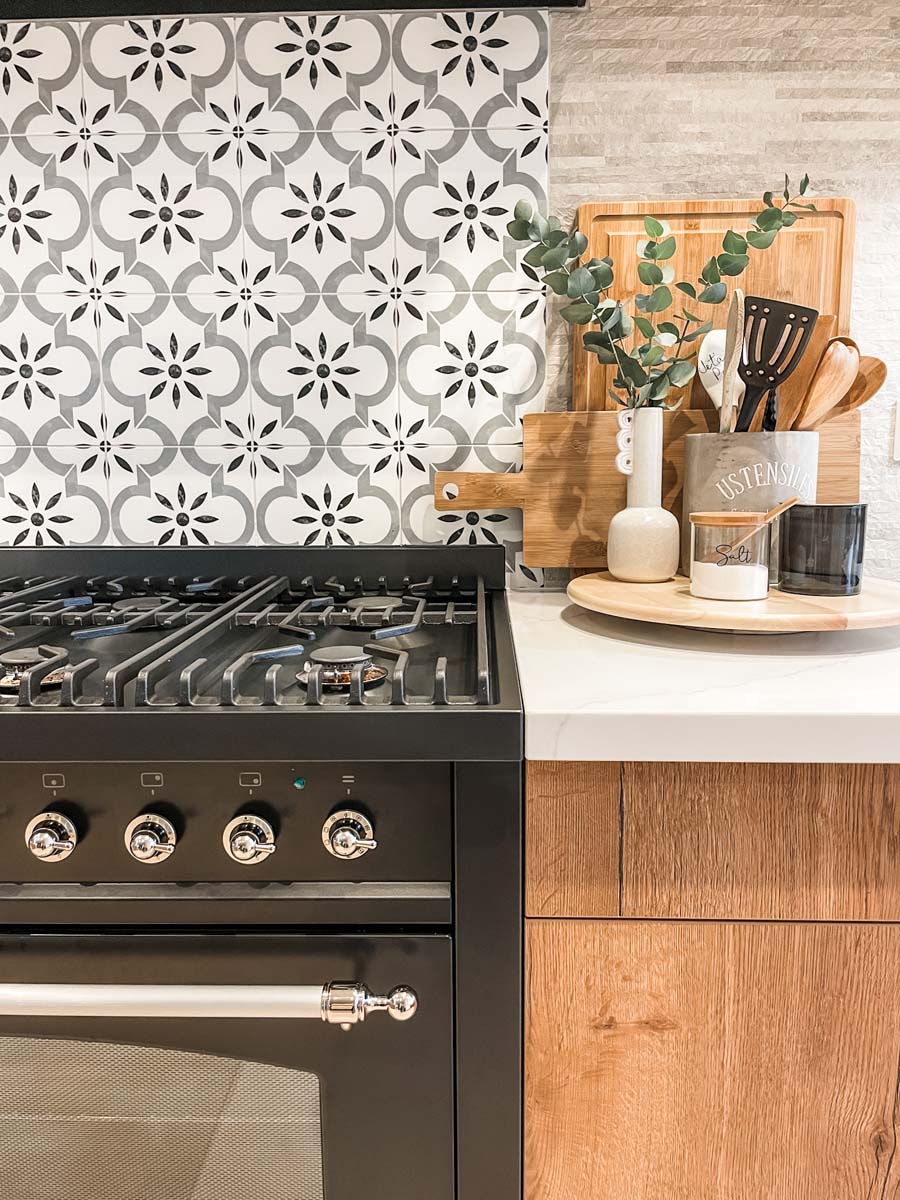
pixel 729 555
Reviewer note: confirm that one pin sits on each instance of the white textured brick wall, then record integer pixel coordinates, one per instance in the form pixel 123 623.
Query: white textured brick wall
pixel 709 97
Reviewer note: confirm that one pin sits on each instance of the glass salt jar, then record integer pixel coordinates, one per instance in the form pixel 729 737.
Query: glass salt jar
pixel 730 555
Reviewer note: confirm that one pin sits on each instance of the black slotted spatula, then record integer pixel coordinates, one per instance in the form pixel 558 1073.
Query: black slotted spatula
pixel 775 337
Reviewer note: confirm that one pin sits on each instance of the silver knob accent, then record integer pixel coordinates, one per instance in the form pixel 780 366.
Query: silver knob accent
pixel 348 834
pixel 347 1004
pixel 51 837
pixel 248 839
pixel 150 838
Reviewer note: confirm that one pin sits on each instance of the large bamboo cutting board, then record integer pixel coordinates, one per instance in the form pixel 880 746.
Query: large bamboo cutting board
pixel 811 263
pixel 569 488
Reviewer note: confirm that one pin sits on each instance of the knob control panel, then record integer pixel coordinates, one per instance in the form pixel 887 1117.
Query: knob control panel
pixel 348 834
pixel 249 839
pixel 150 838
pixel 51 837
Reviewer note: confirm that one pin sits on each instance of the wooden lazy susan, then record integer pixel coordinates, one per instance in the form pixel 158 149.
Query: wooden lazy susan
pixel 672 604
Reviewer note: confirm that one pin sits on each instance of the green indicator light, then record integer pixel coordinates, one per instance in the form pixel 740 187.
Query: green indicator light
pixel 299 783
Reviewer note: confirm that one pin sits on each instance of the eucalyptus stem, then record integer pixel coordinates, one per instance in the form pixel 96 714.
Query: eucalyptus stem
pixel 649 370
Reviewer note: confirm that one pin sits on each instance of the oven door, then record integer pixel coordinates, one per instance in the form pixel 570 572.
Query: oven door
pixel 224 1082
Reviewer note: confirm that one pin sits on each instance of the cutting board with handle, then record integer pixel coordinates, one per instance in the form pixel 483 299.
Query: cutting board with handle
pixel 569 488
pixel 810 264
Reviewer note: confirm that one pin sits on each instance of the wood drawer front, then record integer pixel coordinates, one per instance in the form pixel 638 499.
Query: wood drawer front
pixel 711 1061
pixel 695 841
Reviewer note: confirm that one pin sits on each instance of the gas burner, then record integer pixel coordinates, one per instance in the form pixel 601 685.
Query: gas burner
pixel 380 604
pixel 337 663
pixel 139 604
pixel 14 665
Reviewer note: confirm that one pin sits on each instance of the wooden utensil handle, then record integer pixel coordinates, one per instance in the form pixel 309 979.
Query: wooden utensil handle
pixel 475 489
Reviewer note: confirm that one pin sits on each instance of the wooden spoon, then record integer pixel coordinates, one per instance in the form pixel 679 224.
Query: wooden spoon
pixel 792 394
pixel 833 379
pixel 869 381
pixel 732 385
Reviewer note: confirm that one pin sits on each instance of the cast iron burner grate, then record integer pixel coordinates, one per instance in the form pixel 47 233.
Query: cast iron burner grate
pixel 136 642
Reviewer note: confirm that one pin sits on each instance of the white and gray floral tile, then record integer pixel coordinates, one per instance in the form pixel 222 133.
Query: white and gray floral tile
pixel 46 503
pixel 186 500
pixel 474 366
pixel 328 506
pixel 255 282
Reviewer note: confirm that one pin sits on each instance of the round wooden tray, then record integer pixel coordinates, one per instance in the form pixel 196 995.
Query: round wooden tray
pixel 672 604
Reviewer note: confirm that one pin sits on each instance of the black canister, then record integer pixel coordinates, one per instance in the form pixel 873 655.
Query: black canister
pixel 822 549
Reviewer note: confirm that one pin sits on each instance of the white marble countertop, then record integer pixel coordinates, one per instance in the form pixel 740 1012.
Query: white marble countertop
pixel 600 688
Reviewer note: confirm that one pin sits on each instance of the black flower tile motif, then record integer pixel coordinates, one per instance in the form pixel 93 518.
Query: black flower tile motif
pixel 328 519
pixel 470 368
pixel 321 371
pixel 102 448
pixel 399 449
pixel 470 44
pixel 466 211
pixel 38 517
pixel 18 58
pixel 21 214
pixel 321 214
pixel 472 528
pixel 182 518
pixel 27 373
pixel 173 371
pixel 314 46
pixel 168 213
pixel 464 66
pixel 157 47
pixel 86 133
pixel 257 447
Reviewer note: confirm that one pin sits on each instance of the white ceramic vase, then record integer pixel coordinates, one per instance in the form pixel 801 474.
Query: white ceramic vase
pixel 643 539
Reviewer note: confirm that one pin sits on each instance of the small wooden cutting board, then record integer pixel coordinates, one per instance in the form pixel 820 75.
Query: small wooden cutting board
pixel 569 488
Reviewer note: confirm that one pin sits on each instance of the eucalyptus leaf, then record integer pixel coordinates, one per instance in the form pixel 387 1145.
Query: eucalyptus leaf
pixel 710 273
pixel 681 372
pixel 733 243
pixel 660 299
pixel 539 228
pixel 804 185
pixel 632 370
pixel 666 249
pixel 699 332
pixel 646 327
pixel 653 227
pixel 789 218
pixel 557 281
pixel 523 211
pixel 518 229
pixel 668 327
pixel 577 244
pixel 760 240
pixel 659 389
pixel 714 294
pixel 688 289
pixel 552 260
pixel 668 340
pixel 580 281
pixel 668 273
pixel 535 256
pixel 733 264
pixel 556 237
pixel 650 274
pixel 577 314
pixel 654 355
pixel 605 354
pixel 770 218
pixel 602 275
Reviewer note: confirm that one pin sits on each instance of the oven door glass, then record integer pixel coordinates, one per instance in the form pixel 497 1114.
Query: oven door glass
pixel 178 1104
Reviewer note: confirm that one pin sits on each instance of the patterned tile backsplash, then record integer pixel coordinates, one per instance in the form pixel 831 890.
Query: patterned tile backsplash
pixel 255 284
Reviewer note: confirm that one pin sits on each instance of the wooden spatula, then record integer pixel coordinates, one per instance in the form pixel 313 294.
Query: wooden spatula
pixel 869 380
pixel 835 375
pixel 792 393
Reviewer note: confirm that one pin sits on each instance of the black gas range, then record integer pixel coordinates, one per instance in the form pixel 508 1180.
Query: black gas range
pixel 250 795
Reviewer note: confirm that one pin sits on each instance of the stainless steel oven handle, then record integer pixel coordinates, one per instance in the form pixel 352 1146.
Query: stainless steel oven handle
pixel 339 1003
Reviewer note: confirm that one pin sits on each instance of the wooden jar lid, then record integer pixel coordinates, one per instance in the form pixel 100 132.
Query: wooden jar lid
pixel 729 519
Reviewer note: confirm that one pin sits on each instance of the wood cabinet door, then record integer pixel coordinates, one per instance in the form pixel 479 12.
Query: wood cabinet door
pixel 712 1061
